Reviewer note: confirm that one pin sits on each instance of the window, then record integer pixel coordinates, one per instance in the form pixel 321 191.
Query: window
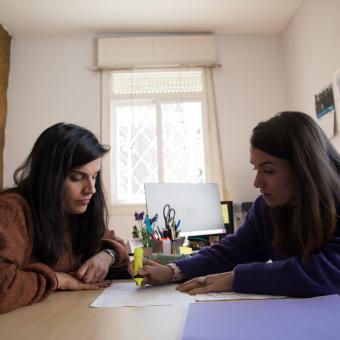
pixel 156 124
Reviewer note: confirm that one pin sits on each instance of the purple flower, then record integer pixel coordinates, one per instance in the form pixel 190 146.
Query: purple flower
pixel 139 216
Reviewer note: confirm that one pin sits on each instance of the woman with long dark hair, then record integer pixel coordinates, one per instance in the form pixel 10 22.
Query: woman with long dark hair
pixel 54 222
pixel 289 243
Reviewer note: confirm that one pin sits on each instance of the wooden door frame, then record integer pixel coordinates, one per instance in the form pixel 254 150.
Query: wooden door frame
pixel 5 47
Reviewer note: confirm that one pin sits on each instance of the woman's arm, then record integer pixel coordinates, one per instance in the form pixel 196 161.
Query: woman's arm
pixel 320 275
pixel 24 281
pixel 21 287
pixel 21 282
pixel 111 241
pixel 251 242
pixel 95 268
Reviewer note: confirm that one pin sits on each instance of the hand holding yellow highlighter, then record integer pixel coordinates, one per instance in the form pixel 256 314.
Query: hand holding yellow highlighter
pixel 137 264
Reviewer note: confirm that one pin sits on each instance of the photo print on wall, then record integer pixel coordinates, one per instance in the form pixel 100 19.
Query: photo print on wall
pixel 325 110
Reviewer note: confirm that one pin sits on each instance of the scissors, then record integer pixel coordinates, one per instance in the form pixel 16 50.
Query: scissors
pixel 169 215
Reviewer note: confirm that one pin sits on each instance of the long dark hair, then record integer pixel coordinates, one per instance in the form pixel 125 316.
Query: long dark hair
pixel 40 179
pixel 296 137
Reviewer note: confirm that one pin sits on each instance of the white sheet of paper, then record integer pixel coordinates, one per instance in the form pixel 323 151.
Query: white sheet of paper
pixel 129 295
pixel 224 296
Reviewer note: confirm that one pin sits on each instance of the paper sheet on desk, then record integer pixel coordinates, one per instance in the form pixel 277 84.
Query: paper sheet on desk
pixel 129 295
pixel 225 296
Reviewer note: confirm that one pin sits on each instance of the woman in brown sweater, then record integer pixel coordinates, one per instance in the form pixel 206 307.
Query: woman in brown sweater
pixel 53 223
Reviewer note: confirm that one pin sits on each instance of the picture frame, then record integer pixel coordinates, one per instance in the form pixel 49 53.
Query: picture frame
pixel 325 109
pixel 336 93
pixel 336 86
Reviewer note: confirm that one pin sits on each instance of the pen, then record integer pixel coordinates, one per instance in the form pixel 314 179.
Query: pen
pixel 178 223
pixel 137 264
pixel 159 231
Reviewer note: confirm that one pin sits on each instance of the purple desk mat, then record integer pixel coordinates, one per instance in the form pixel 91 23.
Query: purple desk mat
pixel 315 318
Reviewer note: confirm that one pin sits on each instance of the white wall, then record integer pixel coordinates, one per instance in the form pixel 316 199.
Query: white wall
pixel 249 88
pixel 50 82
pixel 312 53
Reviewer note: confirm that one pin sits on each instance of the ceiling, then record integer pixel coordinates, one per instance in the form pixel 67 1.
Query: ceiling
pixel 57 17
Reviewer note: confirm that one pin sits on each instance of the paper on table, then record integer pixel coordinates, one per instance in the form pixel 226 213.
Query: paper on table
pixel 224 296
pixel 129 295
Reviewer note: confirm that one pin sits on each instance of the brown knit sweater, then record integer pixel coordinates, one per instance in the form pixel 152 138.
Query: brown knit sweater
pixel 23 279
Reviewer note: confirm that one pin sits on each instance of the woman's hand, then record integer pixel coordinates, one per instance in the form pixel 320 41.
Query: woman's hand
pixel 153 272
pixel 95 268
pixel 69 282
pixel 206 284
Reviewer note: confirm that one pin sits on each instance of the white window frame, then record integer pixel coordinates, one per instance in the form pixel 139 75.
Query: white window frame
pixel 123 208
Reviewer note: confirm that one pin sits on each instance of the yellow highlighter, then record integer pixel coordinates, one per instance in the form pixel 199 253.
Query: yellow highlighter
pixel 137 264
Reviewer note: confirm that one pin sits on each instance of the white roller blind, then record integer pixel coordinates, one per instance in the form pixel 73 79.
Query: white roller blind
pixel 157 82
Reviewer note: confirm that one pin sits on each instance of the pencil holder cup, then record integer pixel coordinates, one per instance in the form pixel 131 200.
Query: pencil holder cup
pixel 176 244
pixel 157 246
pixel 161 246
pixel 167 246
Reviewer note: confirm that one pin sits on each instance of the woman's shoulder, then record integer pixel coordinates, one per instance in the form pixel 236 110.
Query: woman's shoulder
pixel 12 197
pixel 11 203
pixel 258 212
pixel 259 206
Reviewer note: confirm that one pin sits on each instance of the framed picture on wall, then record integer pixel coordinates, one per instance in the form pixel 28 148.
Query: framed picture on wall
pixel 324 109
pixel 336 85
pixel 336 91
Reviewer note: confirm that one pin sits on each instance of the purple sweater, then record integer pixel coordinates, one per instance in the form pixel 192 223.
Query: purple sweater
pixel 247 251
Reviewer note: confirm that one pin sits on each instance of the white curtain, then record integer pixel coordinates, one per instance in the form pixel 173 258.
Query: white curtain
pixel 216 168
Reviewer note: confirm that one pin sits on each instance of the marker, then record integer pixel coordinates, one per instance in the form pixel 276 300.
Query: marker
pixel 137 264
pixel 148 225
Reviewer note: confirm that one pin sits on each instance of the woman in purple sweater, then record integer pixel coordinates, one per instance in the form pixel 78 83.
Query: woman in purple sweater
pixel 294 223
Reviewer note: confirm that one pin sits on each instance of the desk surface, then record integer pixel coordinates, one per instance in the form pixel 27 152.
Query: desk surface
pixel 67 316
